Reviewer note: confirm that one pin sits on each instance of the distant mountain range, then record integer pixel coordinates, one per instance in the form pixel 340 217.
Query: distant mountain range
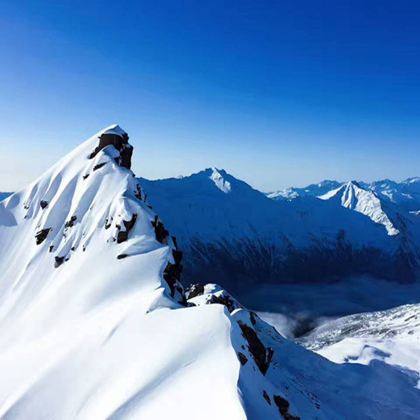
pixel 236 235
pixel 405 194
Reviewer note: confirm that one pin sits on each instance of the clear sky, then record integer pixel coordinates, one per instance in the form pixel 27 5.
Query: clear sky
pixel 278 93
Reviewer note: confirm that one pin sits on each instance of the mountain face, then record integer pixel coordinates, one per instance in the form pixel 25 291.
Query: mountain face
pixel 94 323
pixel 353 197
pixel 238 236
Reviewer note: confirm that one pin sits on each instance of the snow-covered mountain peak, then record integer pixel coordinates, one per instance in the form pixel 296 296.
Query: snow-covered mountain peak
pixel 217 177
pixel 352 196
pixel 86 212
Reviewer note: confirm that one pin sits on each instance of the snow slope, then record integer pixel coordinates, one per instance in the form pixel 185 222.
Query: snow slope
pixel 392 336
pixel 94 323
pixel 352 196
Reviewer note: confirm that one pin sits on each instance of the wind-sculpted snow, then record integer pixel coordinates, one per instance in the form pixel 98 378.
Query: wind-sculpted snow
pixel 94 323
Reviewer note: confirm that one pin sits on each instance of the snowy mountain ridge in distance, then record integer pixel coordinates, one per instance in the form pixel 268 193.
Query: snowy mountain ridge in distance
pixel 244 237
pixel 94 323
pixel 405 194
pixel 352 196
pixel 312 190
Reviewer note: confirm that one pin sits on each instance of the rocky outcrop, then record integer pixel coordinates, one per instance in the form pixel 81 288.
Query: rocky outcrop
pixel 194 290
pixel 70 222
pixel 122 235
pixel 120 141
pixel 58 261
pixel 283 406
pixel 160 232
pixel 260 353
pixel 41 235
pixel 211 293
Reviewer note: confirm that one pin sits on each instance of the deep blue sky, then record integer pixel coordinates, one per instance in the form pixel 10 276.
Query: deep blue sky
pixel 278 93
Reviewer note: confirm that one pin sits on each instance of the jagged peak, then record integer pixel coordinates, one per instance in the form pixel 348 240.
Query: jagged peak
pixel 89 194
pixel 218 177
pixel 352 196
pixel 115 136
pixel 352 184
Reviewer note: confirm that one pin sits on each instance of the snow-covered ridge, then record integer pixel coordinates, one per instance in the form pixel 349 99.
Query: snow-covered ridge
pixel 353 197
pixel 90 193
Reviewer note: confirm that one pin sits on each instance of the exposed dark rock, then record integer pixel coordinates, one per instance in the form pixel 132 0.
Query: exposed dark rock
pixel 121 256
pixel 43 204
pixel 242 358
pixel 137 193
pixel 172 274
pixel 252 317
pixel 283 406
pixel 99 165
pixel 107 224
pixel 266 396
pixel 160 232
pixel 58 261
pixel 125 156
pixel 261 355
pixel 70 223
pixel 177 256
pixel 225 300
pixel 175 241
pixel 41 235
pixel 128 224
pixel 120 142
pixel 51 248
pixel 195 290
pixel 86 176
